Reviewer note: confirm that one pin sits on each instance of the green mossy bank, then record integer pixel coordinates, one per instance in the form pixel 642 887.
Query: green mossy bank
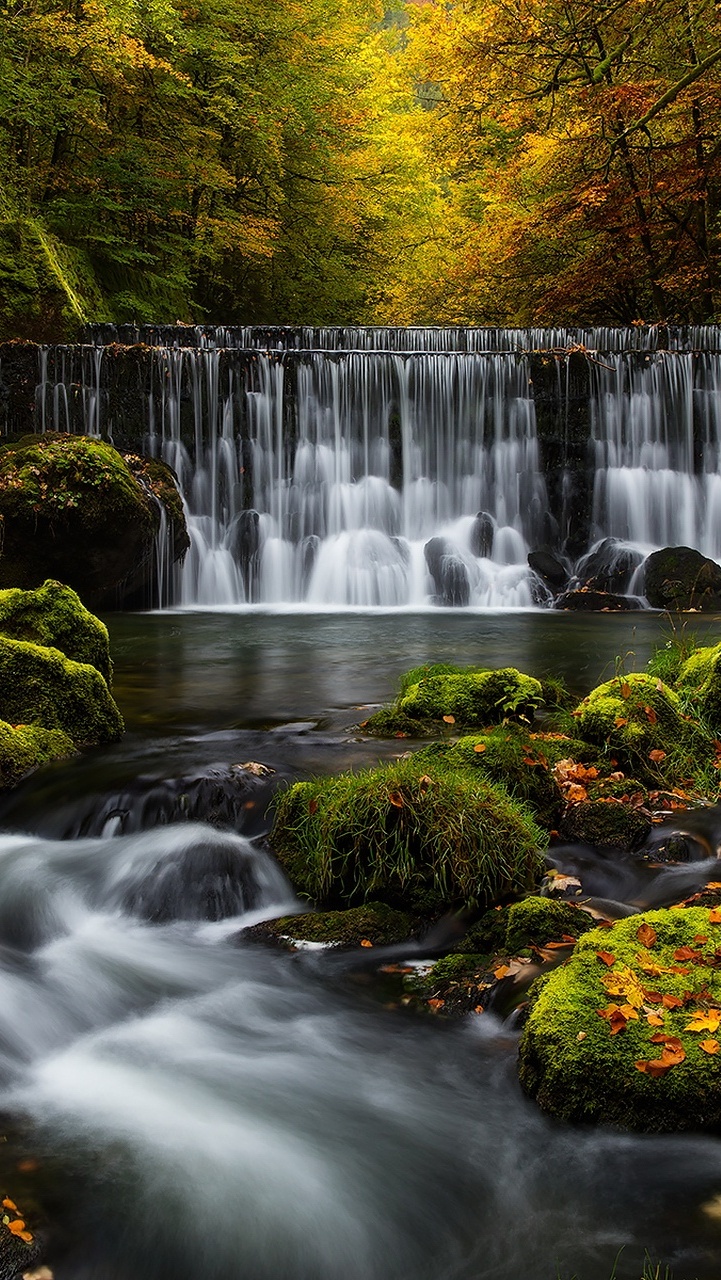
pixel 656 978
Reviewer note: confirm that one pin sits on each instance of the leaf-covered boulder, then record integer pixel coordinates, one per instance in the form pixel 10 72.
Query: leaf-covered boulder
pixel 643 724
pixel 420 840
pixel 628 1031
pixel 54 615
pixel 71 509
pixel 40 686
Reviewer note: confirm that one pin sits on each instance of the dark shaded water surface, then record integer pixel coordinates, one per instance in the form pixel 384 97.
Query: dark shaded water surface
pixel 205 1110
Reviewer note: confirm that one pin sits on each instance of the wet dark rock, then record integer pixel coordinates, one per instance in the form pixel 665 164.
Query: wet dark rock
pixel 309 553
pixel 605 823
pixel 244 542
pixel 449 573
pixel 584 600
pixel 550 567
pixel 483 532
pixel 374 923
pixel 609 566
pixel 681 578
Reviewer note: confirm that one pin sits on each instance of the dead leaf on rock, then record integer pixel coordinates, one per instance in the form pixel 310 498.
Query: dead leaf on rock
pixel 479 747
pixel 607 957
pixel 449 719
pixel 709 1046
pixel 646 935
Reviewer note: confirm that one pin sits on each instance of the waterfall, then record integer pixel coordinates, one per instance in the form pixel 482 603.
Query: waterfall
pixel 381 467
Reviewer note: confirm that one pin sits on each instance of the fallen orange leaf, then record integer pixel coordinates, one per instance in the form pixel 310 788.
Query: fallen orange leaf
pixel 480 746
pixel 607 957
pixel 366 942
pixel 646 935
pixel 709 1046
pixel 654 1020
pixel 396 799
pixel 657 755
pixel 449 719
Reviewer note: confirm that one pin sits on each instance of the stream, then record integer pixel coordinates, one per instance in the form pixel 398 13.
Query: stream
pixel 193 1107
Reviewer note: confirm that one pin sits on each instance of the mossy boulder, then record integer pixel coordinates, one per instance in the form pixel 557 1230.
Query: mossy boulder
pixel 436 696
pixel 521 761
pixel 626 1032
pixel 418 839
pixel 374 922
pixel 680 578
pixel 72 510
pixel 24 748
pixel 40 686
pixel 535 921
pixel 642 723
pixel 699 684
pixel 158 478
pixel 53 615
pixel 605 823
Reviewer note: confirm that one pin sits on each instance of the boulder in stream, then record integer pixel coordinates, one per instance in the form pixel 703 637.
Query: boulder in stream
pixel 626 1032
pixel 417 836
pixel 40 686
pixel 54 615
pixel 679 578
pixel 449 573
pixel 72 509
pixel 550 567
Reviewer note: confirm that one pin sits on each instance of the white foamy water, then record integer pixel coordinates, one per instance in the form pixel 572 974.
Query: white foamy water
pixel 214 1111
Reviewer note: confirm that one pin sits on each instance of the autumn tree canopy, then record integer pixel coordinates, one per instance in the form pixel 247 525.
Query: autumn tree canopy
pixel 324 161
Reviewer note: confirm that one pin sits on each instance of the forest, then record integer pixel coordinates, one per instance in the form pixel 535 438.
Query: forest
pixel 332 162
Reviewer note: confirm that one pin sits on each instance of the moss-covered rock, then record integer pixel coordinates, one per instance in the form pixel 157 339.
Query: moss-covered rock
pixel 72 510
pixel 374 922
pixel 161 481
pixel 699 683
pixel 422 840
pixel 434 697
pixel 53 615
pixel 635 717
pixel 24 748
pixel 626 1032
pixel 535 921
pixel 40 686
pixel 606 823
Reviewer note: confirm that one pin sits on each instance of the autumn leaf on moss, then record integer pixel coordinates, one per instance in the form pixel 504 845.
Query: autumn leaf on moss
pixel 646 935
pixel 709 1046
pixel 708 1021
pixel 607 957
pixel 624 982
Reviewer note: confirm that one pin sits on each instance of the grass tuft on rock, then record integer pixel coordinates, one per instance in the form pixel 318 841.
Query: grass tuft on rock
pixel 420 839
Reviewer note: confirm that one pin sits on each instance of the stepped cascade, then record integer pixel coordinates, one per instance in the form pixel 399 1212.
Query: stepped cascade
pixel 375 467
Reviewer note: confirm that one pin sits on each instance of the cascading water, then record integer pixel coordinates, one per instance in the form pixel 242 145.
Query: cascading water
pixel 401 467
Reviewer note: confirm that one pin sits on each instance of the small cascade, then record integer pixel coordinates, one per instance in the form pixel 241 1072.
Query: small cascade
pixel 390 468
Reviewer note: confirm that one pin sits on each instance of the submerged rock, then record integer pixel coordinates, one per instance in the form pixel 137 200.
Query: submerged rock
pixel 625 1033
pixel 483 532
pixel 681 578
pixel 449 573
pixel 587 600
pixel 423 841
pixel 550 567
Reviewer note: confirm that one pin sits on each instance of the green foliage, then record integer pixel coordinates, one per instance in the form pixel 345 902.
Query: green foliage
pixel 699 685
pixel 54 616
pixel 576 1069
pixel 40 686
pixel 413 839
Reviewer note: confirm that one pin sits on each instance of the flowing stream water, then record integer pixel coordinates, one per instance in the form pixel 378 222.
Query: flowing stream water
pixel 204 1109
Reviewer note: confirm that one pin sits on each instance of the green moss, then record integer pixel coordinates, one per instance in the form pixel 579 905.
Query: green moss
pixel 476 697
pixel 699 684
pixel 605 823
pixel 577 1070
pixel 633 715
pixel 391 723
pixel 25 748
pixel 374 922
pixel 428 670
pixel 72 510
pixel 53 615
pixel 417 839
pixel 41 686
pixel 536 921
pixel 162 482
